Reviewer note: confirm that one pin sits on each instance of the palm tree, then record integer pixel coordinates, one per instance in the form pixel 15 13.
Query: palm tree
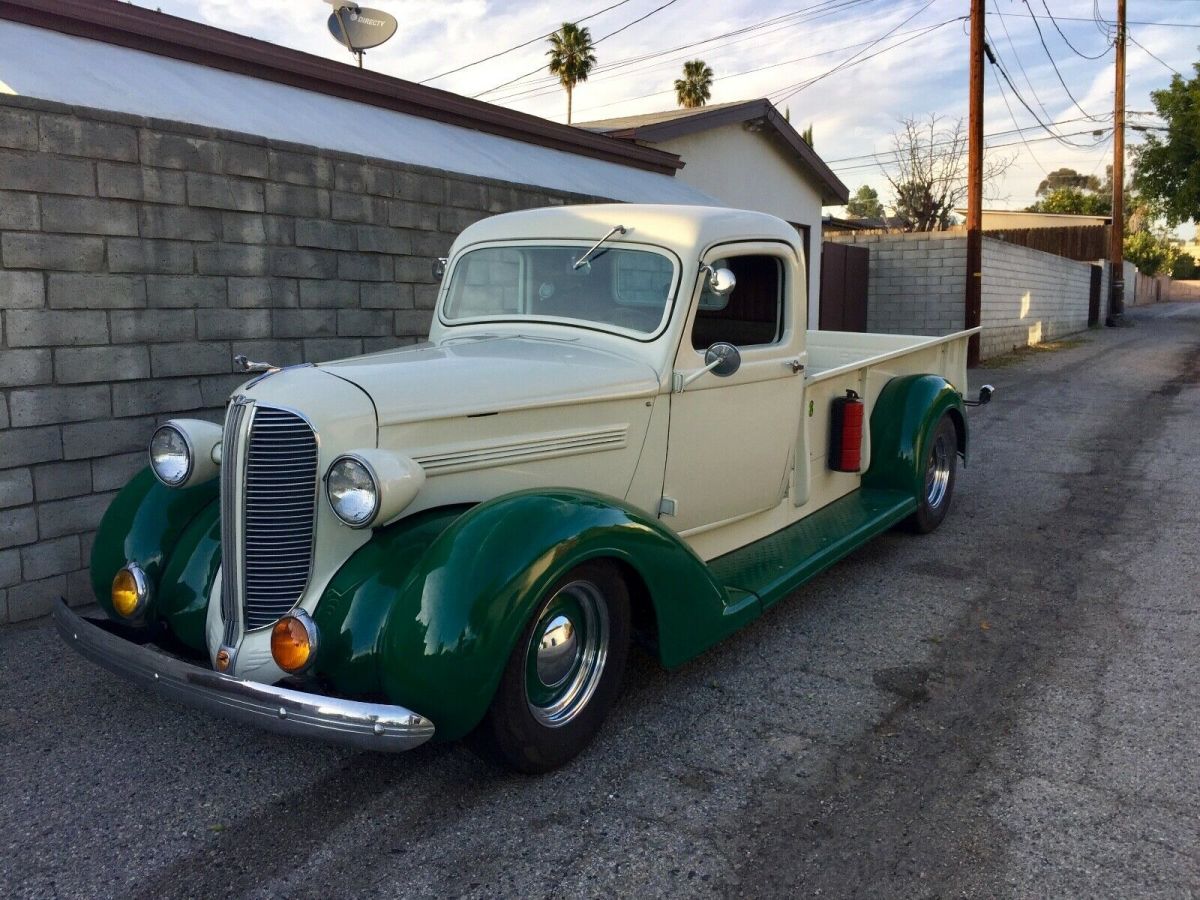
pixel 695 87
pixel 571 57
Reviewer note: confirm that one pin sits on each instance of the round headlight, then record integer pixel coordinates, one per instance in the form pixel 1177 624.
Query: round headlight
pixel 170 456
pixel 352 492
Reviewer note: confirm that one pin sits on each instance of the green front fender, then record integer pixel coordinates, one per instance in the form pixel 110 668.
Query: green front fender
pixel 902 422
pixel 449 594
pixel 144 524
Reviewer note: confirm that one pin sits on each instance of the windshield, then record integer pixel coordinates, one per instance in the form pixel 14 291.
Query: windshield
pixel 616 288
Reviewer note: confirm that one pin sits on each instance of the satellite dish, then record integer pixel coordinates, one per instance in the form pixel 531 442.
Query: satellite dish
pixel 358 28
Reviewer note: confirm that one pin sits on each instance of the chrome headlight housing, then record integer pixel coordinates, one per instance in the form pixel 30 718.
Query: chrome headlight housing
pixel 353 492
pixel 182 452
pixel 171 456
pixel 370 487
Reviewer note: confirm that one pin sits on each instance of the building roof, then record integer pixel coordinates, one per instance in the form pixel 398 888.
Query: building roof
pixel 116 56
pixel 653 128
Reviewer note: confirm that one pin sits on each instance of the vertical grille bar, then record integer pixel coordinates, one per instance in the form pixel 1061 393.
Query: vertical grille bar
pixel 279 513
pixel 231 569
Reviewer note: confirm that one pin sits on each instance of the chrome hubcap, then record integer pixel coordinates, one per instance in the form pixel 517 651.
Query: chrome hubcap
pixel 937 475
pixel 567 651
pixel 557 652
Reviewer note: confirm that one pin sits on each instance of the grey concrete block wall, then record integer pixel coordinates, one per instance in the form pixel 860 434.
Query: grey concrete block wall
pixel 918 283
pixel 137 257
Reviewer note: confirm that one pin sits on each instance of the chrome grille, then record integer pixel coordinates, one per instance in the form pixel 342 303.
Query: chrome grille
pixel 280 496
pixel 231 455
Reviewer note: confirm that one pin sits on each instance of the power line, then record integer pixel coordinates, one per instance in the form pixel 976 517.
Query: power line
pixel 1013 116
pixel 1050 56
pixel 533 40
pixel 1100 141
pixel 1151 24
pixel 995 60
pixel 1017 57
pixel 796 88
pixel 1067 41
pixel 946 143
pixel 1135 42
pixel 726 77
pixel 594 43
pixel 550 84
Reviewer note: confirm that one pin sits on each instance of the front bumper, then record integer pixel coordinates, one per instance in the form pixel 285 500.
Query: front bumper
pixel 366 726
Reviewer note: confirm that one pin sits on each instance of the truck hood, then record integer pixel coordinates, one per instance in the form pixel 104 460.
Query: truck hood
pixel 478 376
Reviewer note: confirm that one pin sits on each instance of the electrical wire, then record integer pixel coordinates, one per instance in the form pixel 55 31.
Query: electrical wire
pixel 1028 81
pixel 998 64
pixel 1067 41
pixel 791 90
pixel 1003 96
pixel 1050 56
pixel 594 43
pixel 1136 43
pixel 533 40
pixel 549 84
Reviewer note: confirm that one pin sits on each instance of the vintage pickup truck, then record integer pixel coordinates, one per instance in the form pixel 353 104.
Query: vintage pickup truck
pixel 619 427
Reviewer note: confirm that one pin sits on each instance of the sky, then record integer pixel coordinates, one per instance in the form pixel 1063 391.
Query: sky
pixel 850 68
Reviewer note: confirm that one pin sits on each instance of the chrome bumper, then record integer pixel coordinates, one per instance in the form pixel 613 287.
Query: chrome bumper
pixel 367 726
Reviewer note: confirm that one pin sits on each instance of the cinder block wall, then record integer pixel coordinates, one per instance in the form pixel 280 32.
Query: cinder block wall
pixel 918 281
pixel 138 256
pixel 1029 296
pixel 915 283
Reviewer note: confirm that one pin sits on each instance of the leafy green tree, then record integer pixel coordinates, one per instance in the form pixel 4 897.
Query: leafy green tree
pixel 1074 201
pixel 1151 251
pixel 1067 178
pixel 1185 267
pixel 694 89
pixel 571 58
pixel 865 204
pixel 1167 168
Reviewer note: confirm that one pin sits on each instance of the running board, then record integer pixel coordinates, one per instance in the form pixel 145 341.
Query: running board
pixel 778 564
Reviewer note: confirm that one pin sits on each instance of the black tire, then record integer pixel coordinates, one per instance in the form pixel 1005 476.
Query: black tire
pixel 937 488
pixel 533 726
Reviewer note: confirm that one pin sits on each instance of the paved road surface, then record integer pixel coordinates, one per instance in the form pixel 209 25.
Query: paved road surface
pixel 1007 707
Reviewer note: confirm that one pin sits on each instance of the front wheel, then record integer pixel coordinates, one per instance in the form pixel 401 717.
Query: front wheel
pixel 941 462
pixel 563 674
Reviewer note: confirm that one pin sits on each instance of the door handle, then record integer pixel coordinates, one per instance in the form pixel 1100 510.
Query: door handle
pixel 795 365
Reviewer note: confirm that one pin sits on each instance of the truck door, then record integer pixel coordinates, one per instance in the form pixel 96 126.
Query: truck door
pixel 731 437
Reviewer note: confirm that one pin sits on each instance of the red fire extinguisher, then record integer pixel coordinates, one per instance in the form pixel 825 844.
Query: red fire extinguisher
pixel 845 433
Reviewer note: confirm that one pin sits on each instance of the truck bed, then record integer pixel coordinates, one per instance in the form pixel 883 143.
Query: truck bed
pixel 833 353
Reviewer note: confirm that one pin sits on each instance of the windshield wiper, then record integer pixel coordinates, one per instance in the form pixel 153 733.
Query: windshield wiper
pixel 616 229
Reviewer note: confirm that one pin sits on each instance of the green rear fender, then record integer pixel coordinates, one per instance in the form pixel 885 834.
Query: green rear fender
pixel 144 524
pixel 902 423
pixel 449 597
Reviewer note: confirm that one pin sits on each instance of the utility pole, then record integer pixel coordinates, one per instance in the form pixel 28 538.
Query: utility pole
pixel 975 183
pixel 1116 252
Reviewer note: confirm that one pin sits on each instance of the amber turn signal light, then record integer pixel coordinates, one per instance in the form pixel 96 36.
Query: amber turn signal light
pixel 294 642
pixel 130 591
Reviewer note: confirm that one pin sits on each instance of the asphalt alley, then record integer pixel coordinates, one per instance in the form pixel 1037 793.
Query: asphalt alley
pixel 1006 707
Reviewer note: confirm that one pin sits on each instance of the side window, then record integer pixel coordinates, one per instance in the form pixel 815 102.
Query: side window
pixel 752 313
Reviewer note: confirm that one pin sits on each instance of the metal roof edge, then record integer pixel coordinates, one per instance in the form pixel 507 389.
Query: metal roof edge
pixel 125 25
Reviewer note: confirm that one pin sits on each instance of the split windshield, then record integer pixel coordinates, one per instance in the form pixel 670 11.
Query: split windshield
pixel 615 289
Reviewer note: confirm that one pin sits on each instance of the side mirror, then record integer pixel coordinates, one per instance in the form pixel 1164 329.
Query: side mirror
pixel 722 358
pixel 985 396
pixel 720 281
pixel 439 267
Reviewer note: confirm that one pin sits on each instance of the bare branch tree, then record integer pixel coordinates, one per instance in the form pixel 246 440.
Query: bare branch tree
pixel 929 180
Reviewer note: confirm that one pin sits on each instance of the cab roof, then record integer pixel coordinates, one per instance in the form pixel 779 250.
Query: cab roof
pixel 684 229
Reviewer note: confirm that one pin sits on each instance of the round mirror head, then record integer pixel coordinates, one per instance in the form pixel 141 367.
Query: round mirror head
pixel 726 356
pixel 722 281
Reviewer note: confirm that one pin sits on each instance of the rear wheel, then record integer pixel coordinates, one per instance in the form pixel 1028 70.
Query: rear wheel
pixel 563 674
pixel 941 465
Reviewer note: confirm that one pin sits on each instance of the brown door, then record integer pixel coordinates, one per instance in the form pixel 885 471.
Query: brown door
pixel 843 287
pixel 1094 296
